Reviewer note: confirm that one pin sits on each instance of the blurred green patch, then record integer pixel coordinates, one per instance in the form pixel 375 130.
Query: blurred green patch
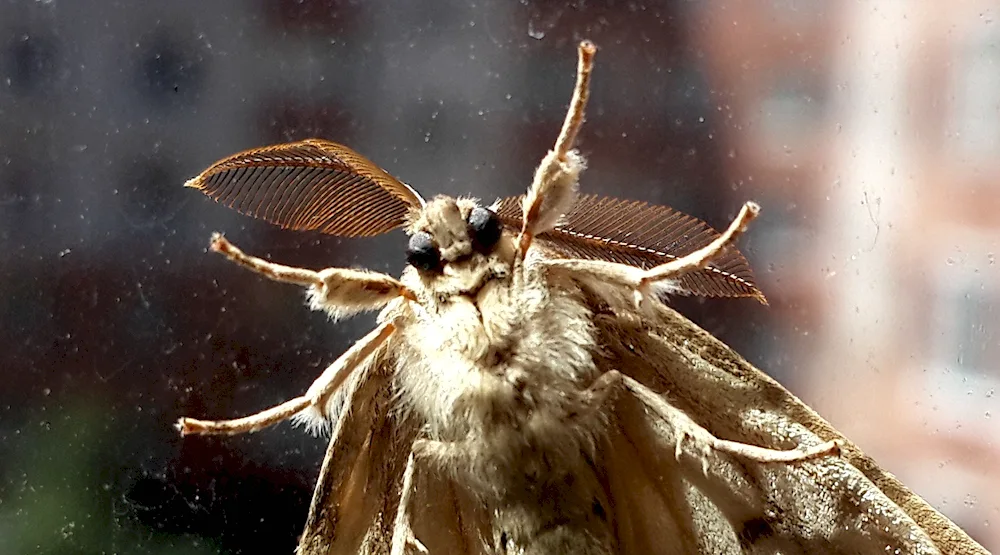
pixel 63 491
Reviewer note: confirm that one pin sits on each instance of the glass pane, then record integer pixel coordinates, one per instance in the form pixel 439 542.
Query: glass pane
pixel 868 135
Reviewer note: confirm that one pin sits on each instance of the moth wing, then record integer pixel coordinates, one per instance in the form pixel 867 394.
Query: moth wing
pixel 354 503
pixel 654 505
pixel 445 517
pixel 668 503
pixel 642 235
pixel 357 495
pixel 844 504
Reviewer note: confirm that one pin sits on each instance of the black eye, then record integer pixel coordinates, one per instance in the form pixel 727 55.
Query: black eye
pixel 422 253
pixel 484 228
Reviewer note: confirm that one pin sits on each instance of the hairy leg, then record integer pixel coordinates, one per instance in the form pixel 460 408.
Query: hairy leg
pixel 644 281
pixel 315 398
pixel 553 190
pixel 687 430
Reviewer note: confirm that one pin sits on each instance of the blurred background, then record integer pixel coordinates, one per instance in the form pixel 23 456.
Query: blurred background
pixel 869 132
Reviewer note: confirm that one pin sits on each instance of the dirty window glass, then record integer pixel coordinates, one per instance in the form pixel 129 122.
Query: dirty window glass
pixel 869 136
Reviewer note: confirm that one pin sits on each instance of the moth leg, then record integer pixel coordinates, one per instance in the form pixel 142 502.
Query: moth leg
pixel 553 189
pixel 277 272
pixel 402 535
pixel 315 399
pixel 339 291
pixel 700 258
pixel 688 431
pixel 642 281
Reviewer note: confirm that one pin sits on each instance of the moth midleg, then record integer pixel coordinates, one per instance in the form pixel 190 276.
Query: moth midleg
pixel 687 430
pixel 315 398
pixel 252 423
pixel 553 188
pixel 337 373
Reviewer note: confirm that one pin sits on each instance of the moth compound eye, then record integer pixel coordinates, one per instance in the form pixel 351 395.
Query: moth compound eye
pixel 422 253
pixel 484 228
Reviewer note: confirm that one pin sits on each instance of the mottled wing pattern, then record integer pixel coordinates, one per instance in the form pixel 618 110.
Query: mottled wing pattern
pixel 642 235
pixel 310 185
pixel 845 504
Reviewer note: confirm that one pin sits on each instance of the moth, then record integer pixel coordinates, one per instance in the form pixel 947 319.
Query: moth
pixel 528 391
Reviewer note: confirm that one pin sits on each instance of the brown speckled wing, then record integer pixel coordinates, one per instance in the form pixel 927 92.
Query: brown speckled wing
pixel 310 185
pixel 642 235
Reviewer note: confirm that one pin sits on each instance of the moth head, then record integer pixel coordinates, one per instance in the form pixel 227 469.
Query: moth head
pixel 456 246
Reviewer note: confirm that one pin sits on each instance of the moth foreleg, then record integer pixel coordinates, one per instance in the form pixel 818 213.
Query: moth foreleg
pixel 339 291
pixel 311 408
pixel 642 281
pixel 687 431
pixel 277 272
pixel 553 189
